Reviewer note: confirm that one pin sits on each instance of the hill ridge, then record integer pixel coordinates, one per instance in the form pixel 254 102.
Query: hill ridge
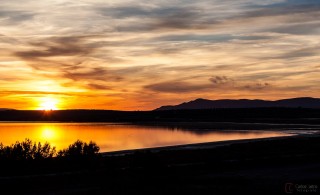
pixel 201 103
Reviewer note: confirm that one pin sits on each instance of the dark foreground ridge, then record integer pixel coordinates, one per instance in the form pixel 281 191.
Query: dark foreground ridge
pixel 263 166
pixel 303 102
pixel 243 115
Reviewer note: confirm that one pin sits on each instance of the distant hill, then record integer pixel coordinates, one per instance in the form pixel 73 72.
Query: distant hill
pixel 303 102
pixel 4 109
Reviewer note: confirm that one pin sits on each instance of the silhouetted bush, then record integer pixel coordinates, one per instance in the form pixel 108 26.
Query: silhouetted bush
pixel 27 157
pixel 28 150
pixel 80 149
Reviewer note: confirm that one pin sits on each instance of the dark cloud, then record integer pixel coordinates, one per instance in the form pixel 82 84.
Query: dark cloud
pixel 145 12
pixel 176 87
pixel 79 68
pixel 210 38
pixel 93 74
pixel 55 47
pixel 98 86
pixel 295 3
pixel 124 11
pixel 253 37
pixel 217 83
pixel 294 18
pixel 182 19
pixel 157 18
pixel 228 83
pixel 220 80
pixel 280 10
pixel 12 17
pixel 79 49
pixel 298 29
pixel 197 17
pixel 99 74
pixel 143 73
pixel 255 86
pixel 271 75
pixel 194 37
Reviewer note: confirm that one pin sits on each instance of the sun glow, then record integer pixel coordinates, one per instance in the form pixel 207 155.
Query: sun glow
pixel 51 134
pixel 48 104
pixel 48 134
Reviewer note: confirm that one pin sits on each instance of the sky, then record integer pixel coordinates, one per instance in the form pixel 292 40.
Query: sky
pixel 142 54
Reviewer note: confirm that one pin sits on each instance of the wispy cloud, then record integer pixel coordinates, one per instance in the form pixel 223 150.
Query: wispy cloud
pixel 55 47
pixel 176 87
pixel 146 52
pixel 13 17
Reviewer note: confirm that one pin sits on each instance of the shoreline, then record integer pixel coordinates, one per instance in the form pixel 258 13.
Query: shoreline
pixel 192 146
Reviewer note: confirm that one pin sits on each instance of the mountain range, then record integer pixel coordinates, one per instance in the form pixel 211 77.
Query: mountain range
pixel 301 102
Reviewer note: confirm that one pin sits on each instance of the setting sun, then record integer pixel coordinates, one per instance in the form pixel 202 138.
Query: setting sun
pixel 48 104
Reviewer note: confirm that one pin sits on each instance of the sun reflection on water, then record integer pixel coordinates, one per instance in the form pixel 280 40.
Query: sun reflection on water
pixel 48 134
pixel 115 137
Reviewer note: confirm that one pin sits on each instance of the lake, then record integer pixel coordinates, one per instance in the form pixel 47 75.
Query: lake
pixel 114 137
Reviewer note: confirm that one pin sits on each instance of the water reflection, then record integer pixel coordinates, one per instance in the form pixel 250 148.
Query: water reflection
pixel 48 133
pixel 112 137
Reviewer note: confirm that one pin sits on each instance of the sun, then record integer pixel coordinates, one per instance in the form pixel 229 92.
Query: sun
pixel 48 103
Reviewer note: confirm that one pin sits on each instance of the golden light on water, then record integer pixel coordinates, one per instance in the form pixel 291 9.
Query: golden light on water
pixel 112 137
pixel 48 134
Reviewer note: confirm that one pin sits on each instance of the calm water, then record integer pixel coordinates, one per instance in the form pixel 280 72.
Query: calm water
pixel 113 137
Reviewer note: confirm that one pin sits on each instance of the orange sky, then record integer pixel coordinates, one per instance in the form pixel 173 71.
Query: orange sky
pixel 139 55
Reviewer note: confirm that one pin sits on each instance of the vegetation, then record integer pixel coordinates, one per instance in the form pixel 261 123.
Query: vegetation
pixel 29 150
pixel 80 149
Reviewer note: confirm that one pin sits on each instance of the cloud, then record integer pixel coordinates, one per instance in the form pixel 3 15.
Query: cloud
pixel 8 92
pixel 161 48
pixel 299 29
pixel 220 80
pixel 182 19
pixel 99 74
pixel 256 86
pixel 98 86
pixel 280 9
pixel 46 56
pixel 219 38
pixel 55 47
pixel 210 38
pixel 227 83
pixel 295 53
pixel 94 74
pixel 13 17
pixel 176 87
pixel 144 11
pixel 303 52
pixel 156 18
pixel 217 83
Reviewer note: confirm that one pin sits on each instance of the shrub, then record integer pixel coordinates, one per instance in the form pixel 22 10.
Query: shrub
pixel 27 150
pixel 80 149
